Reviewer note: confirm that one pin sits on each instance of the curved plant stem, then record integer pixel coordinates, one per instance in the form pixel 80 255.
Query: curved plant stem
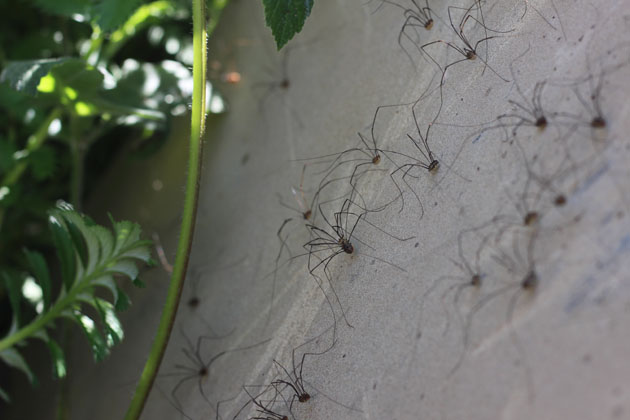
pixel 189 216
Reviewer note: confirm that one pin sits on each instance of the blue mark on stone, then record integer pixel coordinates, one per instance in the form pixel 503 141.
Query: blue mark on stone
pixel 592 179
pixel 584 292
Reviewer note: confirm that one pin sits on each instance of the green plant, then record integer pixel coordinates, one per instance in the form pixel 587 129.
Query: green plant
pixel 83 86
pixel 75 76
pixel 90 257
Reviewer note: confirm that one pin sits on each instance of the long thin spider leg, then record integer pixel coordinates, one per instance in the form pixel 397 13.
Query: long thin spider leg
pixel 469 318
pixel 485 62
pixel 332 288
pixel 176 401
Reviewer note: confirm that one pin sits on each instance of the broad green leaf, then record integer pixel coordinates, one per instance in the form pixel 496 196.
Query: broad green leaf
pixel 286 18
pixel 58 359
pixel 13 358
pixel 110 14
pixel 39 269
pixel 65 250
pixel 87 324
pixel 113 330
pixel 24 76
pixel 81 87
pixel 64 7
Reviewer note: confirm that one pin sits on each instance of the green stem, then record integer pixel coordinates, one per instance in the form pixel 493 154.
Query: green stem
pixel 189 215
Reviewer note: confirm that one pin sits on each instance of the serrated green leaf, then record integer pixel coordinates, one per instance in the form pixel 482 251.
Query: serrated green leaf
pixel 63 7
pixel 13 283
pixel 107 282
pixel 24 76
pixel 14 359
pixel 113 329
pixel 125 232
pixel 65 250
pixel 105 239
pixel 126 267
pixel 99 347
pixel 286 18
pixel 39 269
pixel 77 234
pixel 58 359
pixel 142 252
pixel 43 162
pixel 122 301
pixel 113 13
pixel 84 234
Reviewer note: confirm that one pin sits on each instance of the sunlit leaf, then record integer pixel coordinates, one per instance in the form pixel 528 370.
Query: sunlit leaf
pixel 113 329
pixel 24 76
pixel 100 349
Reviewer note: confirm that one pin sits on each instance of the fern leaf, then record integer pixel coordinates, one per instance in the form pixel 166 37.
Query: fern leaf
pixel 91 257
